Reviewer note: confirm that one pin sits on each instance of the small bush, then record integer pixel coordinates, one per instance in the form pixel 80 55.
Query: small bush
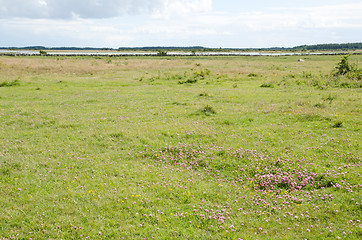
pixel 10 84
pixel 190 80
pixel 344 68
pixel 201 74
pixel 252 75
pixel 203 94
pixel 338 124
pixel 207 110
pixel 355 74
pixel 267 85
pixel 193 77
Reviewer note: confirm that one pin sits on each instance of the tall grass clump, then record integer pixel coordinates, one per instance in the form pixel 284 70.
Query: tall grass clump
pixel 10 84
pixel 207 110
pixel 267 85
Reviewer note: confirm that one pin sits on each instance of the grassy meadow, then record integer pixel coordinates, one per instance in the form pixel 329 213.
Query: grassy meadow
pixel 179 148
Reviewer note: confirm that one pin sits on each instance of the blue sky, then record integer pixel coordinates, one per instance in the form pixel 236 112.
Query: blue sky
pixel 209 23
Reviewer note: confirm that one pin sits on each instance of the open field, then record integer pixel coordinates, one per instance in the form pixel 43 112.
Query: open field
pixel 179 148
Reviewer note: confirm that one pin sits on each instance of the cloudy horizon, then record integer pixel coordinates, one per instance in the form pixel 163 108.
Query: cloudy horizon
pixel 208 23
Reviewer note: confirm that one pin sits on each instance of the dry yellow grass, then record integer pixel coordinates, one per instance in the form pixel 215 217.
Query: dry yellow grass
pixel 23 68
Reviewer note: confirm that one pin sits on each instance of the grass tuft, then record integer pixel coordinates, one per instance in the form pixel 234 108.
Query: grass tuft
pixel 10 84
pixel 207 110
pixel 267 85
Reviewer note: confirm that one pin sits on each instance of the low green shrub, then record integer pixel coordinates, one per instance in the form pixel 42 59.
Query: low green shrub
pixel 252 75
pixel 10 84
pixel 338 124
pixel 267 85
pixel 207 110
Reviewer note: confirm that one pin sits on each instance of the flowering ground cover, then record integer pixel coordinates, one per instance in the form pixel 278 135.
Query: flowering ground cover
pixel 179 148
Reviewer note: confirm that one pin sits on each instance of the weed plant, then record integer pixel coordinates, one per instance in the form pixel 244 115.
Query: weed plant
pixel 267 85
pixel 10 84
pixel 207 110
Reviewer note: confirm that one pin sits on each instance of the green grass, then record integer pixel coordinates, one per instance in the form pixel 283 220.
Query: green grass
pixel 120 149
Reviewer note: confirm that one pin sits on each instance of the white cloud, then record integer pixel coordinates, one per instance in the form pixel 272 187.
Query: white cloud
pixel 77 32
pixel 182 8
pixel 337 16
pixel 65 9
pixel 189 22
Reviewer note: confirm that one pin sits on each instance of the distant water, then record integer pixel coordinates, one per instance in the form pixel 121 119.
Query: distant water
pixel 120 53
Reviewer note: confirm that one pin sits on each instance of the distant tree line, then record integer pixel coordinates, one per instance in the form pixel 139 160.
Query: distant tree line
pixel 163 48
pixel 57 48
pixel 329 46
